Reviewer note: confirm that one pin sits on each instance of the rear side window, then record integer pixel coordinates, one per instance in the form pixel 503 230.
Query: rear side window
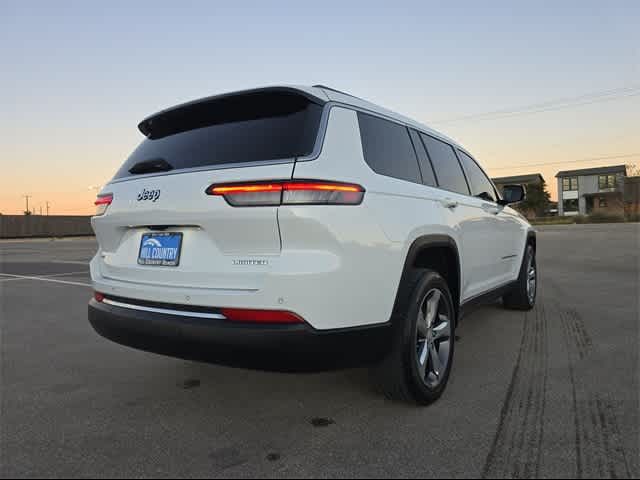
pixel 252 127
pixel 481 186
pixel 446 165
pixel 387 148
pixel 428 177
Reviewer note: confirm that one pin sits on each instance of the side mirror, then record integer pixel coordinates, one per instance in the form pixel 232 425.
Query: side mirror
pixel 512 194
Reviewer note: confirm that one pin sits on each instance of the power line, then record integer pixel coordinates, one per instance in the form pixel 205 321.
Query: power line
pixel 582 160
pixel 551 105
pixel 561 107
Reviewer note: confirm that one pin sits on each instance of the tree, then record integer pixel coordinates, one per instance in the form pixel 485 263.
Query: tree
pixel 536 201
pixel 633 170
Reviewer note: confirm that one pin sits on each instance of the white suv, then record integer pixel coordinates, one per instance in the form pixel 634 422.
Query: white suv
pixel 290 226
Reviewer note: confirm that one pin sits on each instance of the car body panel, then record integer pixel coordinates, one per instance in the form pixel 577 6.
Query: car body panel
pixel 335 266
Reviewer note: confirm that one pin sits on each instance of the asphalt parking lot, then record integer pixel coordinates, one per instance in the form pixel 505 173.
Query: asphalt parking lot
pixel 552 392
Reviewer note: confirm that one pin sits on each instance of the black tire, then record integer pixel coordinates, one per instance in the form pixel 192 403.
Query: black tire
pixel 519 297
pixel 399 374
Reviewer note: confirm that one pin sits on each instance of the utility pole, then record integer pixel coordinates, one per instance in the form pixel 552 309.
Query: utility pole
pixel 47 202
pixel 27 197
pixel 40 210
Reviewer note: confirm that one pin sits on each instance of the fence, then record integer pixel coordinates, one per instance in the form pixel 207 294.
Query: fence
pixel 25 226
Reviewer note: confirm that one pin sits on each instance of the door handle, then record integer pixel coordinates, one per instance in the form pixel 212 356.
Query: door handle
pixel 449 203
pixel 487 207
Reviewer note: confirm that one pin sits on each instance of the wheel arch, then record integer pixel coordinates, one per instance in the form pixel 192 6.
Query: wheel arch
pixel 437 252
pixel 532 239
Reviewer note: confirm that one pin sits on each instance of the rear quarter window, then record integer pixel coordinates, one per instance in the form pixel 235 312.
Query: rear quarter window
pixel 387 148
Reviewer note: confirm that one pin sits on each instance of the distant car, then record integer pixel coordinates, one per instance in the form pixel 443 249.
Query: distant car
pixel 304 224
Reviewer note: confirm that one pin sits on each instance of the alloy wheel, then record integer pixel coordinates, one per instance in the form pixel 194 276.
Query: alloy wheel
pixel 433 338
pixel 531 278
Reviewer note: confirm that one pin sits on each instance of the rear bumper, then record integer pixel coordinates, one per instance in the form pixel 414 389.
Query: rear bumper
pixel 267 347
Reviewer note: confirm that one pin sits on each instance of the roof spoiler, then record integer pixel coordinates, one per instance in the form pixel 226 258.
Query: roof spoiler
pixel 156 124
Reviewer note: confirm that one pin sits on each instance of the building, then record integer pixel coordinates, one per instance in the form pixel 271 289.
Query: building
pixel 529 179
pixel 591 190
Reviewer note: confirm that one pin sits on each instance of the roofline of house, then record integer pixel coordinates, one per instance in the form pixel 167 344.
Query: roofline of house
pixel 509 177
pixel 593 171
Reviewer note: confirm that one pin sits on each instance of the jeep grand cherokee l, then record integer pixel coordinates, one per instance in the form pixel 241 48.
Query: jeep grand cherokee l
pixel 303 223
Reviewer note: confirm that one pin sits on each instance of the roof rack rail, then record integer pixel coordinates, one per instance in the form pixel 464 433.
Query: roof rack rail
pixel 334 90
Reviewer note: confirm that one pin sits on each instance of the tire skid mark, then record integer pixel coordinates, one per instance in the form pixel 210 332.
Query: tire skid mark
pixel 599 450
pixel 536 454
pixel 609 416
pixel 517 446
pixel 577 333
pixel 574 395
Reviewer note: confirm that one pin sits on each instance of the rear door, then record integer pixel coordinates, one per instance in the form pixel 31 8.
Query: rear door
pixel 160 191
pixel 499 224
pixel 467 216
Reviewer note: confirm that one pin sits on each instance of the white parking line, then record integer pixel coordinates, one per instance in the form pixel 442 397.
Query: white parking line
pixel 49 275
pixel 73 262
pixel 43 279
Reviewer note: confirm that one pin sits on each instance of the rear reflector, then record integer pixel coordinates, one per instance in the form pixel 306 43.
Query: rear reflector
pixel 261 316
pixel 288 192
pixel 241 315
pixel 102 203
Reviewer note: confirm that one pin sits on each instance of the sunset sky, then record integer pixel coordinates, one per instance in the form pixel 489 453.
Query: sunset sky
pixel 76 78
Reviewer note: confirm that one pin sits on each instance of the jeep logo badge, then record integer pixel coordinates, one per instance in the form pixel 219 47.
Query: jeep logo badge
pixel 145 194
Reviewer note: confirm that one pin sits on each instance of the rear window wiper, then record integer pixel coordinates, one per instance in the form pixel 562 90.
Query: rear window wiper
pixel 151 166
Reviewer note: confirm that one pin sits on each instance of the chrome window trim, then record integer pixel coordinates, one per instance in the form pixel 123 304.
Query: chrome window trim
pixel 324 120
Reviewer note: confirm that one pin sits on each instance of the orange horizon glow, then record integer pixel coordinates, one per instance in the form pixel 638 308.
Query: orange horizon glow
pixel 68 191
pixel 79 199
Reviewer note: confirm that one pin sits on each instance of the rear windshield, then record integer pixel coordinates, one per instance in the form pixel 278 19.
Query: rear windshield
pixel 252 127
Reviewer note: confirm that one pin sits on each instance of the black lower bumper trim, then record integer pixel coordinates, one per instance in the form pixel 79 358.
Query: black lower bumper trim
pixel 264 347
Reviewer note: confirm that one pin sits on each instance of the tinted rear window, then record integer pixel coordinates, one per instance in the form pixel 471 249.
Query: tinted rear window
pixel 244 128
pixel 387 148
pixel 446 165
pixel 481 186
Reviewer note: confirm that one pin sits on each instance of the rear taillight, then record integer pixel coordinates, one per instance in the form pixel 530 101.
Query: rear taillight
pixel 99 297
pixel 102 203
pixel 288 192
pixel 248 195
